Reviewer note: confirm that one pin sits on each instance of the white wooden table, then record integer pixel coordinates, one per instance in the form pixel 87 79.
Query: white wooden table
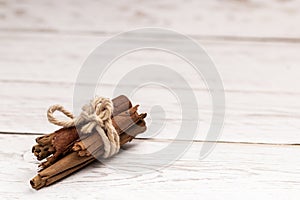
pixel 255 46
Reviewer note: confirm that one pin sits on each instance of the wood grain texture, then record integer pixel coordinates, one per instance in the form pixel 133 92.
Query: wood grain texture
pixel 231 18
pixel 255 46
pixel 231 171
pixel 260 79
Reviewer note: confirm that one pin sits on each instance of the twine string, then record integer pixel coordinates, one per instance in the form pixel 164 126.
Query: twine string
pixel 95 116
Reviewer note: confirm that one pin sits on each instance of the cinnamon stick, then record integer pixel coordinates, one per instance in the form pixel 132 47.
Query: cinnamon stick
pixel 61 141
pixel 76 153
pixel 73 162
pixel 121 122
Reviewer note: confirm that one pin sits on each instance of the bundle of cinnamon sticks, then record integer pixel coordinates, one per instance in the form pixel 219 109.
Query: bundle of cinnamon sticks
pixel 64 152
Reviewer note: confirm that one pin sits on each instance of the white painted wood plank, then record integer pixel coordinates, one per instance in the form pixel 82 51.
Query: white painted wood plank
pixel 256 18
pixel 231 171
pixel 249 67
pixel 260 79
pixel 247 120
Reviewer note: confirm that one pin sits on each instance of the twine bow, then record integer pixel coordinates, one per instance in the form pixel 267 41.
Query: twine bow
pixel 95 115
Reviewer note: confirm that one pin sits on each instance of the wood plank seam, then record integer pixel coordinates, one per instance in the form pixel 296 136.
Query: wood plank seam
pixel 179 140
pixel 223 38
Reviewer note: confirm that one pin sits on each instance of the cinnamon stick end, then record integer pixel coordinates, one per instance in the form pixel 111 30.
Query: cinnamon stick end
pixel 37 182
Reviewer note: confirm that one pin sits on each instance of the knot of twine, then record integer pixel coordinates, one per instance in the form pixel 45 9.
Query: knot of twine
pixel 95 115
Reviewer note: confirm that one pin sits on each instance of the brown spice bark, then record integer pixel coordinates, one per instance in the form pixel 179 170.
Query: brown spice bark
pixel 76 153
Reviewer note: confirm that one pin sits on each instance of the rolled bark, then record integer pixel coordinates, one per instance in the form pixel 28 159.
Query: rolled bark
pixel 61 141
pixel 77 154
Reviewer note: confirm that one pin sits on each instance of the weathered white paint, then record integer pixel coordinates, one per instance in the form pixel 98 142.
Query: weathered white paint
pixel 255 46
pixel 260 80
pixel 254 18
pixel 231 171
